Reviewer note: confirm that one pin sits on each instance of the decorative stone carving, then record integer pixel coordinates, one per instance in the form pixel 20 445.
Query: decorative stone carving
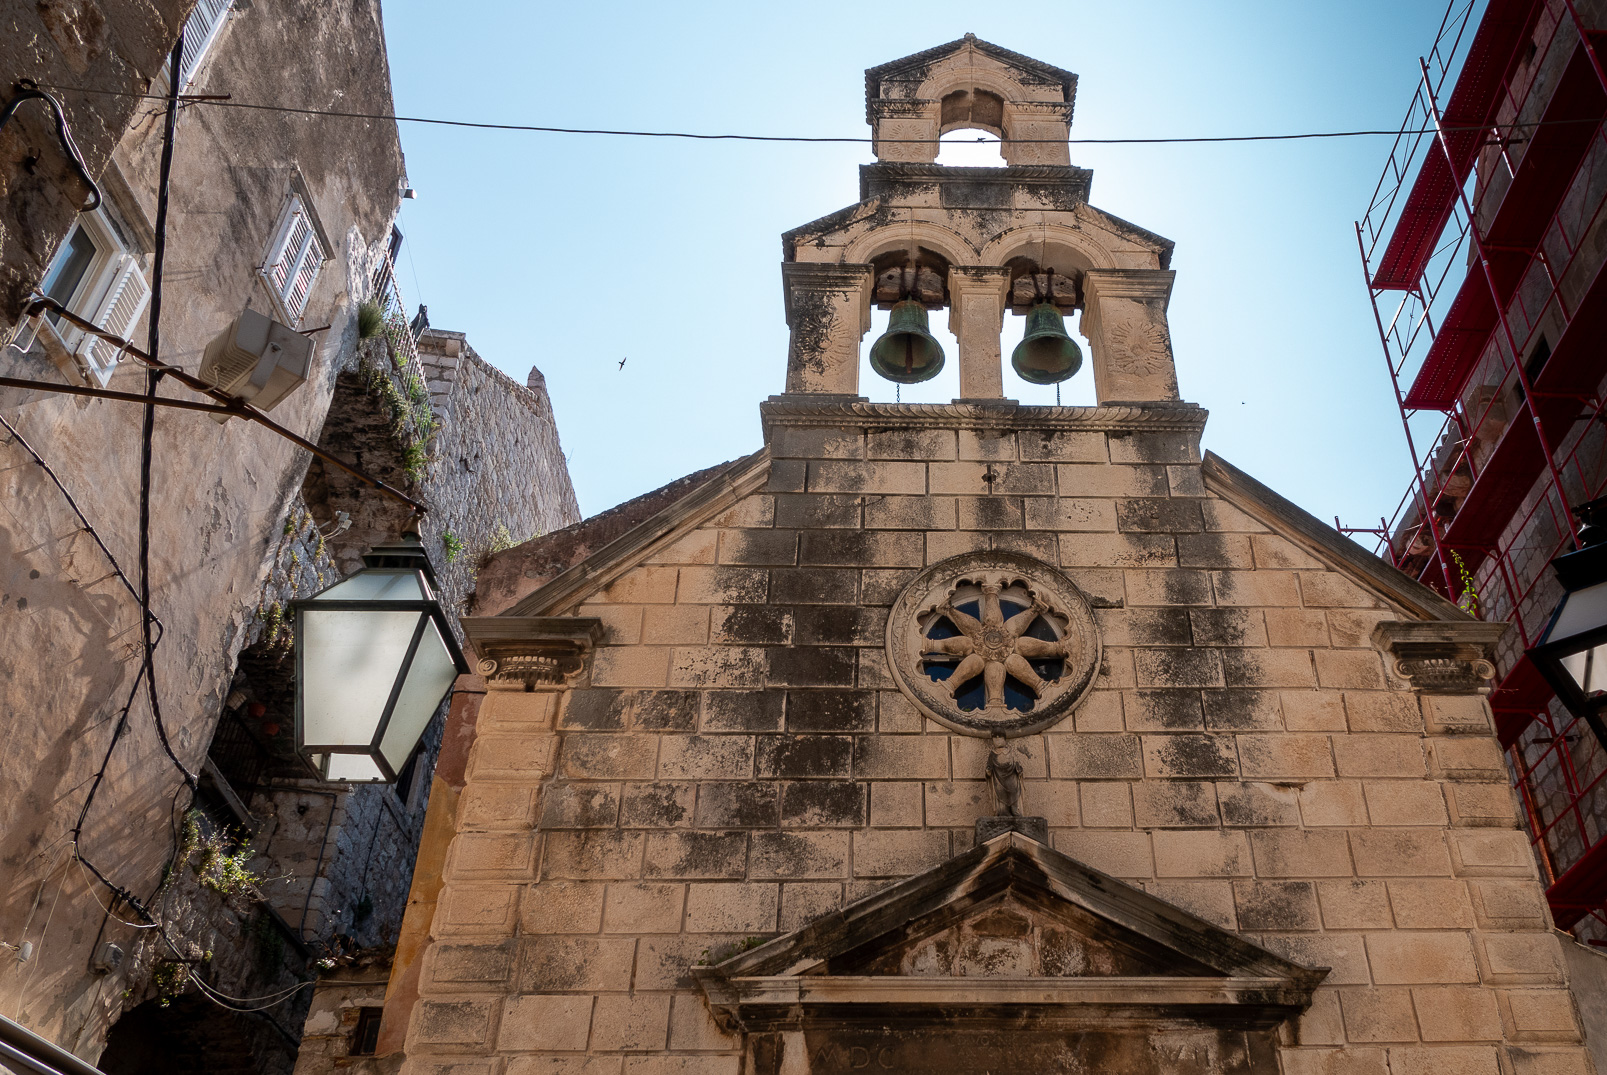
pixel 1440 656
pixel 1125 322
pixel 1142 346
pixel 526 653
pixel 993 644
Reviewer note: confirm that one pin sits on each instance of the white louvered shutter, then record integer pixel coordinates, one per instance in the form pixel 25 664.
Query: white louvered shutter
pixel 200 31
pixel 293 265
pixel 119 310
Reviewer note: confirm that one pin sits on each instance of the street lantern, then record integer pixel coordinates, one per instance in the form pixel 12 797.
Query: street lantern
pixel 1572 651
pixel 374 658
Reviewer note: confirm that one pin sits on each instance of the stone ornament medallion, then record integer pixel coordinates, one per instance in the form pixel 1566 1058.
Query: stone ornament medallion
pixel 993 643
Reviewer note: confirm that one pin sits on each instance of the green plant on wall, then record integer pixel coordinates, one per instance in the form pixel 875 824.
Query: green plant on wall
pixel 453 545
pixel 370 320
pixel 1469 600
pixel 412 421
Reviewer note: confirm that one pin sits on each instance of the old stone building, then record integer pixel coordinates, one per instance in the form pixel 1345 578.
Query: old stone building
pixel 972 737
pixel 117 941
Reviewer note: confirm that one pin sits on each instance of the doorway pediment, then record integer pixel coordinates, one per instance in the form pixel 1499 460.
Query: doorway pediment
pixel 1010 934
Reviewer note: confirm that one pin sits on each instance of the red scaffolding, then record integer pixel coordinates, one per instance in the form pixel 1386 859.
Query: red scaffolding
pixel 1485 254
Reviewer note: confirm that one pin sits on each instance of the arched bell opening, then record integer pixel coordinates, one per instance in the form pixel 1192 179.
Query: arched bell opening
pixel 1041 341
pixel 909 347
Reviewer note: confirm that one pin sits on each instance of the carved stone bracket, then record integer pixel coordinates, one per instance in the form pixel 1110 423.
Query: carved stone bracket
pixel 1442 656
pixel 527 653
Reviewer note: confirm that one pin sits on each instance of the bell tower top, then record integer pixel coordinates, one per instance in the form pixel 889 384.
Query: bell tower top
pixel 970 83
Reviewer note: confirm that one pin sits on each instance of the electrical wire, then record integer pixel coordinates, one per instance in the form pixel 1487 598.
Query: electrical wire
pixel 222 101
pixel 28 90
pixel 153 378
pixel 152 629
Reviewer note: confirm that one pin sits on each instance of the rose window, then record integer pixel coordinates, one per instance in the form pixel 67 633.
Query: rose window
pixel 993 643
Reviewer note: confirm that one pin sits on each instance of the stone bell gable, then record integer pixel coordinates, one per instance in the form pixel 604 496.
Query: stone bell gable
pixel 978 736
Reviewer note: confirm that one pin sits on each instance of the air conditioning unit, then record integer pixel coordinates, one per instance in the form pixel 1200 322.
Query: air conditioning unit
pixel 258 360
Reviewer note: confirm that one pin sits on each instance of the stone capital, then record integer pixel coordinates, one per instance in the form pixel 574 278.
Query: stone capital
pixel 527 653
pixel 1142 285
pixel 1441 656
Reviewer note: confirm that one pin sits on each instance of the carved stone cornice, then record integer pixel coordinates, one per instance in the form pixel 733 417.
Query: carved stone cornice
pixel 799 410
pixel 1442 656
pixel 526 653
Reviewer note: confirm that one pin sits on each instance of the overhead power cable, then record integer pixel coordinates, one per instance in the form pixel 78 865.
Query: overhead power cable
pixel 225 101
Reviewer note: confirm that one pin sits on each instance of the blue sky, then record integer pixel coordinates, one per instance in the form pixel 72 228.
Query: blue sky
pixel 572 252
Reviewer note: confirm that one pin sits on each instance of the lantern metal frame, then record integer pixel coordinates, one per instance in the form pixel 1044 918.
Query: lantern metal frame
pixel 407 557
pixel 1577 571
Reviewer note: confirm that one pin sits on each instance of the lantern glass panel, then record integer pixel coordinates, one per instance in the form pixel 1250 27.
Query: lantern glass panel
pixel 349 664
pixel 1582 611
pixel 428 679
pixel 379 585
pixel 353 768
pixel 1588 668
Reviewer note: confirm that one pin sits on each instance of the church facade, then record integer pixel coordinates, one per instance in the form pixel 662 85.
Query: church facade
pixel 974 737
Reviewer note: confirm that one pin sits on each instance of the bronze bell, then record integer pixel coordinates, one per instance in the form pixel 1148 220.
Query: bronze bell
pixel 907 353
pixel 1046 353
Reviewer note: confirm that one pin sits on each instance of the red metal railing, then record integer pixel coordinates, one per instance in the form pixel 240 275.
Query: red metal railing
pixel 1497 368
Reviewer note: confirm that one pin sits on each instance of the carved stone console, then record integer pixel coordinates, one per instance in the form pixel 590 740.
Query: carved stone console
pixel 527 653
pixel 1442 656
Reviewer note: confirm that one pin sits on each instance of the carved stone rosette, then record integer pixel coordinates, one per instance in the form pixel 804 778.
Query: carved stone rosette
pixel 993 643
pixel 527 653
pixel 1440 656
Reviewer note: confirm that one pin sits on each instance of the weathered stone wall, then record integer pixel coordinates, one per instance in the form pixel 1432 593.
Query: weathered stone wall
pixel 740 763
pixel 114 49
pixel 220 493
pixel 497 468
pixel 332 1020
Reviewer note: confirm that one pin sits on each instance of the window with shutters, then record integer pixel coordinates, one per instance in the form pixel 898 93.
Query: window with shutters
pixel 294 259
pixel 96 276
pixel 201 31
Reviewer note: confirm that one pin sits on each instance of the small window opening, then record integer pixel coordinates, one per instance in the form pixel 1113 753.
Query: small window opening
pixel 1533 366
pixel 365 1036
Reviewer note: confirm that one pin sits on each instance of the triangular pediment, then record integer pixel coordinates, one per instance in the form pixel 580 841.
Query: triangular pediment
pixel 1010 927
pixel 914 67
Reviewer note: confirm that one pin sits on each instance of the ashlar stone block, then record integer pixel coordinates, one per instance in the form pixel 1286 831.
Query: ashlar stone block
pixel 643 907
pixel 637 1022
pixel 1404 957
pixel 1354 904
pixel 559 1022
pixel 1378 1015
pixel 1430 904
pixel 1204 853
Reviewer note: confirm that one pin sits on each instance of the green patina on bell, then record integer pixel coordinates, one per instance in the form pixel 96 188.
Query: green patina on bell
pixel 907 353
pixel 1046 354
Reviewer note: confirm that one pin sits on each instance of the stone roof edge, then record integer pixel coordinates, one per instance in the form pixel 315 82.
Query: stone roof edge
pixel 1324 542
pixel 572 586
pixel 1118 418
pixel 874 75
